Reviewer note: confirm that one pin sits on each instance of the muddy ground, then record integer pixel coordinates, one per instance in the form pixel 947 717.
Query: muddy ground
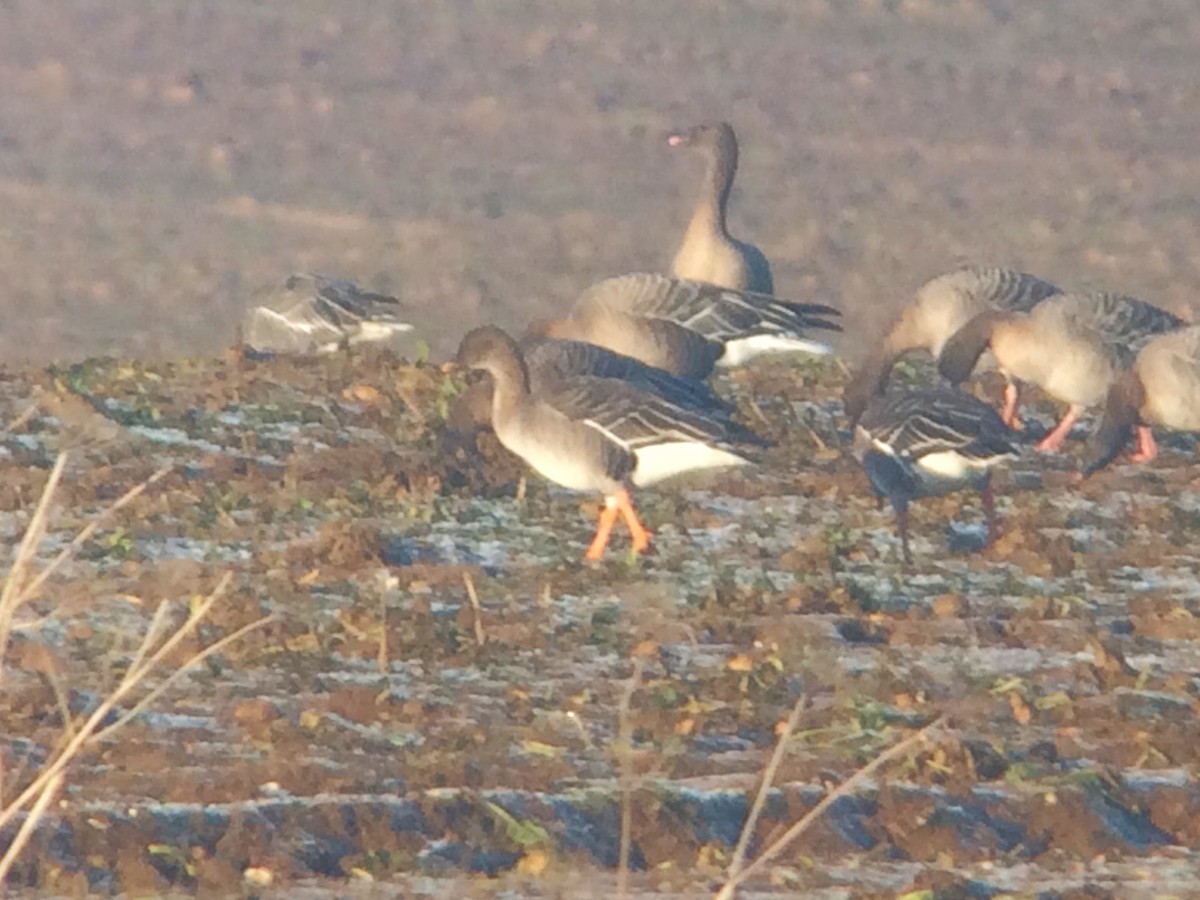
pixel 375 731
pixel 486 162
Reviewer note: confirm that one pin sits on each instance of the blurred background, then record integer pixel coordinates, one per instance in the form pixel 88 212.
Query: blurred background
pixel 485 160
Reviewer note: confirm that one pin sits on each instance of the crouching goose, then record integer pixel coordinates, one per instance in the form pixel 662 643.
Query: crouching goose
pixel 1162 387
pixel 596 434
pixel 312 314
pixel 708 253
pixel 941 307
pixel 1071 346
pixel 689 327
pixel 930 442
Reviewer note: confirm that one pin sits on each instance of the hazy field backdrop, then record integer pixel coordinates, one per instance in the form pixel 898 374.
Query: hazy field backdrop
pixel 485 159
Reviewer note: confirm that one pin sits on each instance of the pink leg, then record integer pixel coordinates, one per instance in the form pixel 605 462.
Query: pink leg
pixel 1012 397
pixel 1147 449
pixel 1053 441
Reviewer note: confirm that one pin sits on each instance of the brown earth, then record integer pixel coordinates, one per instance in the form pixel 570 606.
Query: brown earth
pixel 380 729
pixel 487 161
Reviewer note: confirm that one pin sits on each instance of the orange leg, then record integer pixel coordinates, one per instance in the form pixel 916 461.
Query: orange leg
pixel 1147 449
pixel 641 537
pixel 1053 441
pixel 608 517
pixel 1012 396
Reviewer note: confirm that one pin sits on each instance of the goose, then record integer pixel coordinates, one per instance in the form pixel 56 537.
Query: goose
pixel 315 314
pixel 1162 387
pixel 708 253
pixel 1072 346
pixel 930 442
pixel 942 306
pixel 689 327
pixel 597 434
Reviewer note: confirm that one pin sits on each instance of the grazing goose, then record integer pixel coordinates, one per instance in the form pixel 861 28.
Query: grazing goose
pixel 312 314
pixel 929 442
pixel 1161 388
pixel 708 253
pixel 551 361
pixel 596 434
pixel 1072 346
pixel 689 327
pixel 942 306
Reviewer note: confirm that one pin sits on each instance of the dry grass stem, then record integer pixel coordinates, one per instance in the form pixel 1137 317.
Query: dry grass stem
pixel 60 700
pixel 23 417
pixel 25 832
pixel 381 654
pixel 799 827
pixel 88 530
pixel 764 788
pixel 147 662
pixel 625 759
pixel 13 593
pixel 480 637
pixel 156 646
pixel 190 663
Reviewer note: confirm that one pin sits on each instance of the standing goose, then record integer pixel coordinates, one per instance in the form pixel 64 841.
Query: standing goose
pixel 690 327
pixel 931 442
pixel 1071 346
pixel 942 306
pixel 594 434
pixel 313 314
pixel 708 253
pixel 1162 387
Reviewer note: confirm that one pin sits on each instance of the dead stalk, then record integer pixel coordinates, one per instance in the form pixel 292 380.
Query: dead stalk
pixel 13 594
pixel 798 828
pixel 381 654
pixel 60 699
pixel 89 730
pixel 88 530
pixel 25 832
pixel 480 637
pixel 189 664
pixel 764 788
pixel 155 648
pixel 23 417
pixel 625 751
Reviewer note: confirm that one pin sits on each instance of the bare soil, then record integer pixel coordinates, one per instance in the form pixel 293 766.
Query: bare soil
pixel 485 162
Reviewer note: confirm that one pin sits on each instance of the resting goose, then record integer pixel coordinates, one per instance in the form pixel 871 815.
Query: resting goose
pixel 312 314
pixel 595 434
pixel 941 307
pixel 690 327
pixel 708 253
pixel 1072 346
pixel 1162 387
pixel 930 442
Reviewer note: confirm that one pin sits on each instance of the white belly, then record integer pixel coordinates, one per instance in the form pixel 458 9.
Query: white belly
pixel 668 460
